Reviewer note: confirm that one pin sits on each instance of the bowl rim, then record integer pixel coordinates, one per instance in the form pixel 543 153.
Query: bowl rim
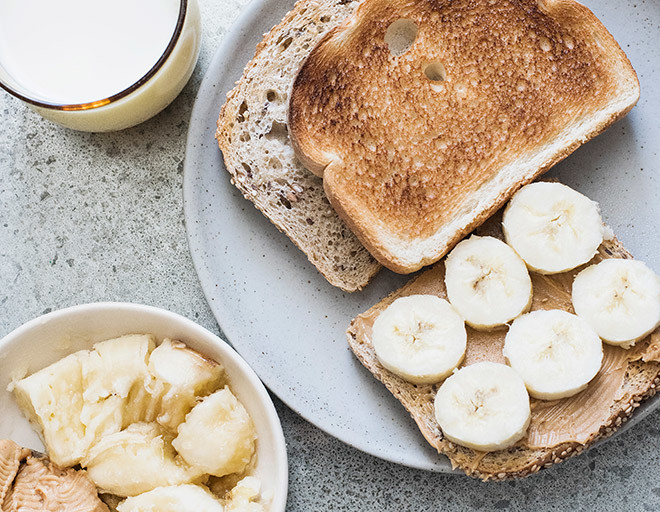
pixel 280 492
pixel 102 102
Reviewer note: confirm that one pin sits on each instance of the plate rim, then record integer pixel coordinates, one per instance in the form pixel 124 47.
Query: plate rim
pixel 227 44
pixel 229 41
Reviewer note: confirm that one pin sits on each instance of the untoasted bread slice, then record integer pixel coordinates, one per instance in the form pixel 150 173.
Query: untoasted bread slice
pixel 559 428
pixel 418 147
pixel 252 134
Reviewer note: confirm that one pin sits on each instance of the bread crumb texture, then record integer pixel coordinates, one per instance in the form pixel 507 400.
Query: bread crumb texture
pixel 411 137
pixel 253 135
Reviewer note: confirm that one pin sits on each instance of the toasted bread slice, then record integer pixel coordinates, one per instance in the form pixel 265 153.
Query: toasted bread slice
pixel 558 428
pixel 424 116
pixel 252 134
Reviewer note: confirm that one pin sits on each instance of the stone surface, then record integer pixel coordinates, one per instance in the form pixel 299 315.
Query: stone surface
pixel 92 217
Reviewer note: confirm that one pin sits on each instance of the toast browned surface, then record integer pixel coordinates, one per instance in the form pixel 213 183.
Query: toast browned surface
pixel 253 136
pixel 414 162
pixel 558 428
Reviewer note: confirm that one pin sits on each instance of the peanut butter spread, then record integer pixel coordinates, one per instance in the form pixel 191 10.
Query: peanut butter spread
pixel 575 419
pixel 30 483
pixel 11 456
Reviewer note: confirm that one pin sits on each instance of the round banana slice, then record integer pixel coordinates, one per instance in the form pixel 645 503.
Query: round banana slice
pixel 487 282
pixel 555 352
pixel 484 406
pixel 619 298
pixel 552 227
pixel 421 338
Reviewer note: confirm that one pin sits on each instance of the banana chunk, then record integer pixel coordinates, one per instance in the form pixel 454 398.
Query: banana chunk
pixel 116 409
pixel 552 227
pixel 113 376
pixel 487 282
pixel 180 376
pixel 421 338
pixel 555 352
pixel 52 400
pixel 218 436
pixel 244 497
pixel 86 395
pixel 175 498
pixel 620 299
pixel 115 366
pixel 484 406
pixel 137 460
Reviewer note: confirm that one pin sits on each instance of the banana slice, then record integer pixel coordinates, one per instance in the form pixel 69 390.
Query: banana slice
pixel 620 299
pixel 552 227
pixel 175 498
pixel 487 282
pixel 484 406
pixel 556 353
pixel 421 338
pixel 218 436
pixel 137 460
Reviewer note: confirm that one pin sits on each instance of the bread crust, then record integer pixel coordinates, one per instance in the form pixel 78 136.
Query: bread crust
pixel 340 125
pixel 252 135
pixel 642 376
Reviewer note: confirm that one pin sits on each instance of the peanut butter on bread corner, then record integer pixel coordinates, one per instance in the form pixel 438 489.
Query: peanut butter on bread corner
pixel 557 427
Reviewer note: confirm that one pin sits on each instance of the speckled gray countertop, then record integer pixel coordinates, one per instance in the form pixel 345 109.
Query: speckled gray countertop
pixel 92 217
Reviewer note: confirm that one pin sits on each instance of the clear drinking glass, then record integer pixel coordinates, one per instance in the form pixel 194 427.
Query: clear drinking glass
pixel 154 91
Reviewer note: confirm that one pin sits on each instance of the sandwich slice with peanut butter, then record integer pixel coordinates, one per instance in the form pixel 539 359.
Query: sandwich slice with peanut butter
pixel 569 406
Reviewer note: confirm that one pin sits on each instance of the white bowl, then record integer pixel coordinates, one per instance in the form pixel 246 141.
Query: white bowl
pixel 50 337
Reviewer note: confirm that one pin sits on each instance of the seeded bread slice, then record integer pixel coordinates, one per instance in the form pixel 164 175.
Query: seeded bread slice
pixel 253 136
pixel 641 375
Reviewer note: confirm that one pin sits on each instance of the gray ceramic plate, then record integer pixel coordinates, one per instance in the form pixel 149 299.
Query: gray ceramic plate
pixel 289 323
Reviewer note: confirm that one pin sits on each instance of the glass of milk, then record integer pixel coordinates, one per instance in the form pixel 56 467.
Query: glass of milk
pixel 95 65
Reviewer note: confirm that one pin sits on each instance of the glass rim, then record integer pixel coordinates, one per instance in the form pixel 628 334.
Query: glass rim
pixel 178 29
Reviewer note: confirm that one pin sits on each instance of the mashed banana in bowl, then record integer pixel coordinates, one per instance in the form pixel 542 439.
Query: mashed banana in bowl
pixel 153 424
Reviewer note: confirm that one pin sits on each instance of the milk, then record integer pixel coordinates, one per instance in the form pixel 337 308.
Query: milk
pixel 67 58
pixel 80 51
